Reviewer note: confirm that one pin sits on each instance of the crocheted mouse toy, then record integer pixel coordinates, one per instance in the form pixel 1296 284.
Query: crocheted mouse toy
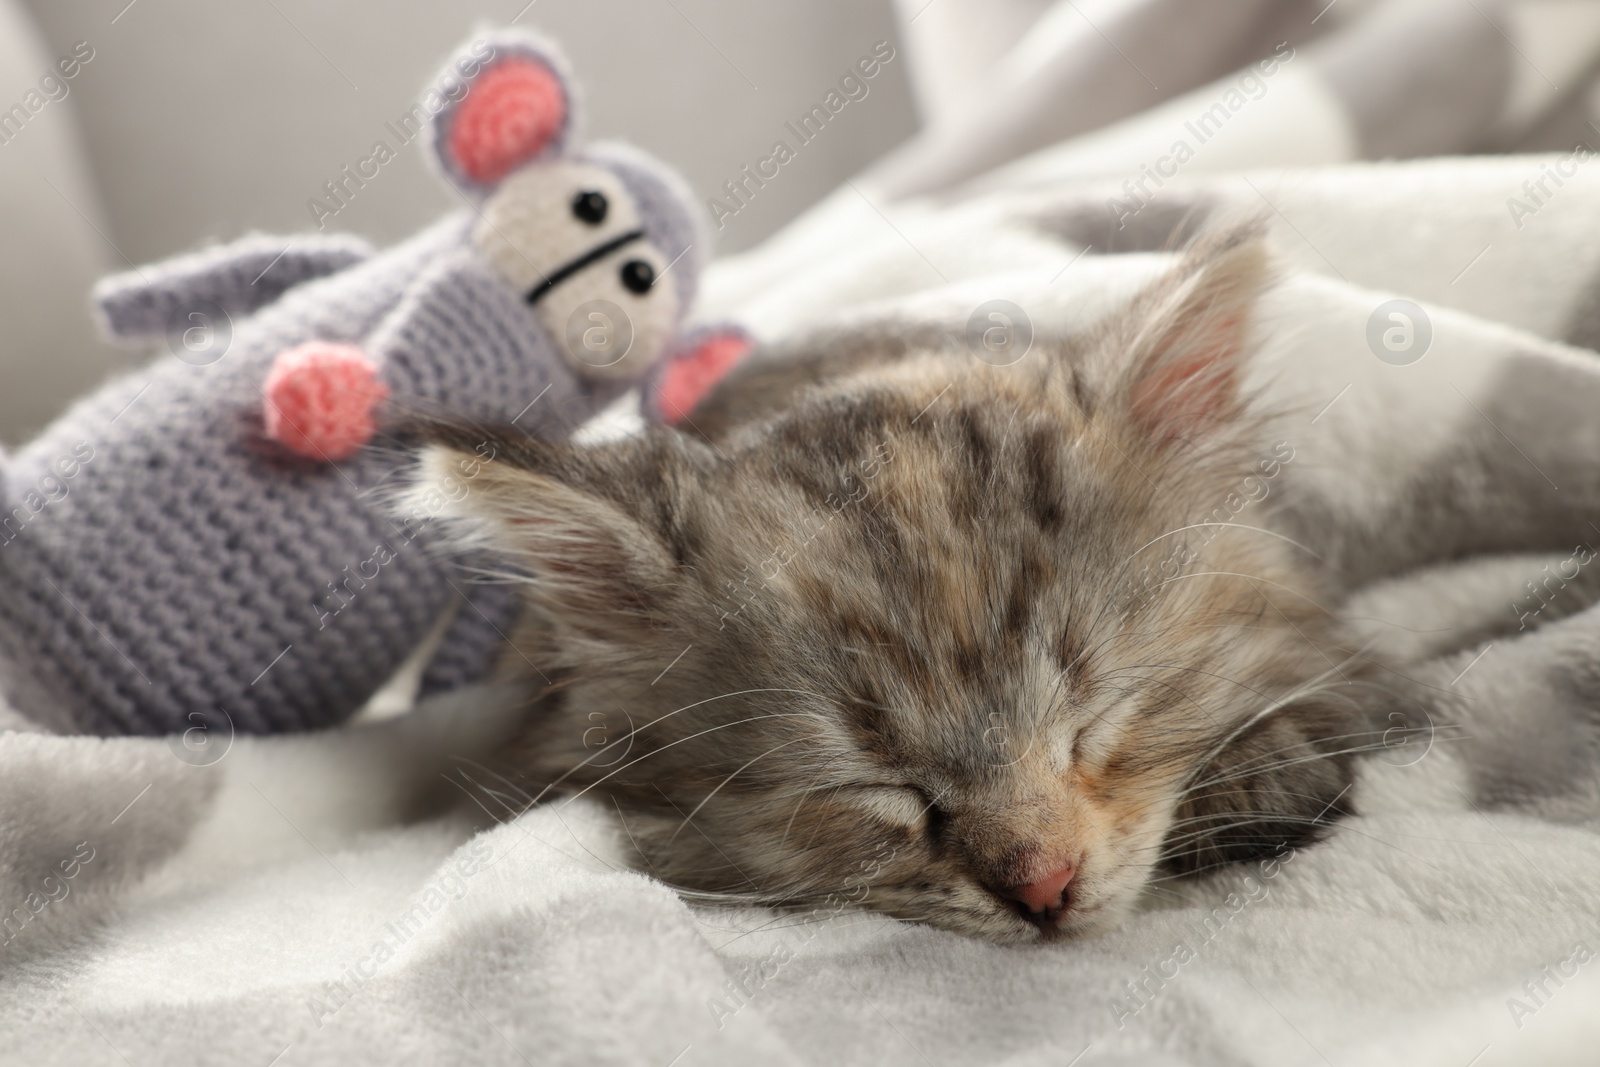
pixel 202 541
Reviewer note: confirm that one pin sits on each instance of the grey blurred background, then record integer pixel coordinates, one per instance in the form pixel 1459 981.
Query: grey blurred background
pixel 197 121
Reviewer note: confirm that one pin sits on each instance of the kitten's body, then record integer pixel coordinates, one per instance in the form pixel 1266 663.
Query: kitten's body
pixel 881 636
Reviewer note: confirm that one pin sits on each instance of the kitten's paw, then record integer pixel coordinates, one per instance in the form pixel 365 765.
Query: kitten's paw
pixel 319 400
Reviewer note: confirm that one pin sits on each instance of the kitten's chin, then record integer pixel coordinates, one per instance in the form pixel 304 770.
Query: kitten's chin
pixel 1009 928
pixel 1094 920
pixel 1090 922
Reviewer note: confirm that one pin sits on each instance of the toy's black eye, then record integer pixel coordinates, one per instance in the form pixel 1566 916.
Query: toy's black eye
pixel 591 206
pixel 638 276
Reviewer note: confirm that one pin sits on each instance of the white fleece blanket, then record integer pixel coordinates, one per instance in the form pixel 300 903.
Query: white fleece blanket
pixel 305 920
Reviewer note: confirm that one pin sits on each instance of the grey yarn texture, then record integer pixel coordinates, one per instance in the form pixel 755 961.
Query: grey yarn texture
pixel 164 565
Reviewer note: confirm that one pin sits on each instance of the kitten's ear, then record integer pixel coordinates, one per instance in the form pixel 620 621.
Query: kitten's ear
pixel 1183 343
pixel 583 526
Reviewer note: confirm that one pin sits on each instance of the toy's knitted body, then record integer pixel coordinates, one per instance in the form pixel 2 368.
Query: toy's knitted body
pixel 213 536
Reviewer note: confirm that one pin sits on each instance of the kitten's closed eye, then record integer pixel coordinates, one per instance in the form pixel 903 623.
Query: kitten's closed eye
pixel 933 816
pixel 933 532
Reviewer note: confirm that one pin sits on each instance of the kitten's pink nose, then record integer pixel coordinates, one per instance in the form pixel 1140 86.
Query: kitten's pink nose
pixel 1046 896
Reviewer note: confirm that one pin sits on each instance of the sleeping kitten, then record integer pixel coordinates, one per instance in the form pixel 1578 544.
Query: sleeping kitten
pixel 880 634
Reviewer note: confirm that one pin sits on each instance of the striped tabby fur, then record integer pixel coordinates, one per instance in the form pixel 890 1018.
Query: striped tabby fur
pixel 874 634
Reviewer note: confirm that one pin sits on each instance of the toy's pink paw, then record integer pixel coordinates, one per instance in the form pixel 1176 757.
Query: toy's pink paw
pixel 695 370
pixel 320 398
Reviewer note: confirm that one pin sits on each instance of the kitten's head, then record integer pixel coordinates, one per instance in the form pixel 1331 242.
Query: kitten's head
pixel 938 638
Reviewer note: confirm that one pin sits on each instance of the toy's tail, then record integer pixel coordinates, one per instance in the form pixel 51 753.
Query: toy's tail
pixel 228 280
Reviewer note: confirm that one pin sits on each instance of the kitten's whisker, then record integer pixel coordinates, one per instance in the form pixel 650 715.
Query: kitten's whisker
pixel 690 817
pixel 1250 578
pixel 1215 820
pixel 673 744
pixel 1296 694
pixel 1256 767
pixel 1295 763
pixel 579 841
pixel 816 827
pixel 1243 820
pixel 1255 762
pixel 1191 670
pixel 660 718
pixel 1247 770
pixel 1184 695
pixel 517 791
pixel 1233 525
pixel 805 795
pixel 1346 827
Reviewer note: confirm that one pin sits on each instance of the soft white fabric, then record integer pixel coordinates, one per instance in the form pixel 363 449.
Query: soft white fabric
pixel 1420 919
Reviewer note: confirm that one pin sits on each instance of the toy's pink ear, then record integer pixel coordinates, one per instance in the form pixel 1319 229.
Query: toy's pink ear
pixel 693 369
pixel 512 104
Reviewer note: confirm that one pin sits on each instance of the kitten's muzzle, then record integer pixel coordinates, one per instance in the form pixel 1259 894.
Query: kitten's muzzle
pixel 1045 899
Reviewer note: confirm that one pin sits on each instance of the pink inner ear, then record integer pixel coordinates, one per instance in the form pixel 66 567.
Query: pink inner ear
pixel 1184 392
pixel 687 380
pixel 507 118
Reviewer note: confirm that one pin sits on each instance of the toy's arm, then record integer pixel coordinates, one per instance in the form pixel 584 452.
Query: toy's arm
pixel 233 279
pixel 320 400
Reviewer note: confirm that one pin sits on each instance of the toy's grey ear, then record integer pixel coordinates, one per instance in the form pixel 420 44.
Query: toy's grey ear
pixel 505 99
pixel 233 279
pixel 667 208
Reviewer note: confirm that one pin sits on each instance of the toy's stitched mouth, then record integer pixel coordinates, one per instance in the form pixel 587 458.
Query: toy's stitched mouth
pixel 569 269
